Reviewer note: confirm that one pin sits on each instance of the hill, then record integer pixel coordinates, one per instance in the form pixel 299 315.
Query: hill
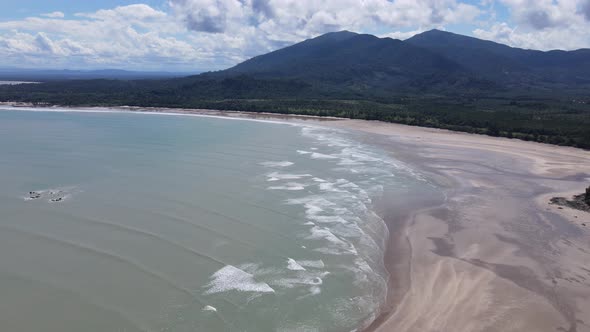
pixel 360 63
pixel 511 67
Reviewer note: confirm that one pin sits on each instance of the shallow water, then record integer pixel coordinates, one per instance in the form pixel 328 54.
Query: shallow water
pixel 180 223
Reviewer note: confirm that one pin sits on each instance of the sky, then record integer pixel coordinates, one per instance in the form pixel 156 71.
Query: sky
pixel 203 35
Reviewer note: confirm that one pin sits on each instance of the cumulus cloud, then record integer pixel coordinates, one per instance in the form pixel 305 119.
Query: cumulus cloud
pixel 135 36
pixel 546 39
pixel 542 14
pixel 45 44
pixel 308 17
pixel 208 15
pixel 263 7
pixel 542 24
pixel 250 27
pixel 585 9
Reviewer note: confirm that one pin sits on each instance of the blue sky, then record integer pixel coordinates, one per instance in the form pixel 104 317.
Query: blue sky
pixel 14 9
pixel 199 35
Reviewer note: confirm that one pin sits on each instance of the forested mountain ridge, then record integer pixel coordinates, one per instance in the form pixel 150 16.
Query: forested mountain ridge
pixel 435 62
pixel 359 63
pixel 512 67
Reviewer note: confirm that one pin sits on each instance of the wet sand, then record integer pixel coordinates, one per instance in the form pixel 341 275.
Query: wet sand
pixel 494 255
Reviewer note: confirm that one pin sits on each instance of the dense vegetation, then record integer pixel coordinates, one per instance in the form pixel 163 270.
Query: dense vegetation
pixel 549 120
pixel 418 82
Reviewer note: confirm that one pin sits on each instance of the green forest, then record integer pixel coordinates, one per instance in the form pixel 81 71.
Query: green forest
pixel 547 119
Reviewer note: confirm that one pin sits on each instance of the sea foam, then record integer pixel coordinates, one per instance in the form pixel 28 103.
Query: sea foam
pixel 291 186
pixel 209 308
pixel 338 223
pixel 231 278
pixel 276 164
pixel 294 266
pixel 276 176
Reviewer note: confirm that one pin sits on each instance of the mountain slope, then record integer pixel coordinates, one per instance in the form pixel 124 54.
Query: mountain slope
pixel 306 49
pixel 346 63
pixel 514 67
pixel 361 63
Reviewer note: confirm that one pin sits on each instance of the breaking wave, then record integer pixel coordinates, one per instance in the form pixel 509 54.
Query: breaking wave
pixel 334 193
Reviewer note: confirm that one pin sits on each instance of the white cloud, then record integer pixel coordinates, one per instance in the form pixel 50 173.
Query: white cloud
pixel 209 15
pixel 402 35
pixel 308 17
pixel 542 24
pixel 54 15
pixel 545 39
pixel 584 9
pixel 137 11
pixel 543 14
pixel 135 36
pixel 46 45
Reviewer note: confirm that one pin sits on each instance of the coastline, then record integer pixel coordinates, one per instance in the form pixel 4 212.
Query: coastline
pixel 178 111
pixel 494 256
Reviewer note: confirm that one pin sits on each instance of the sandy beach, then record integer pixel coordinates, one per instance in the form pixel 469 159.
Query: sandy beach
pixel 494 255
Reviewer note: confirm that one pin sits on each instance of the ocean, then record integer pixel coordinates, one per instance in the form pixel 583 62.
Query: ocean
pixel 113 221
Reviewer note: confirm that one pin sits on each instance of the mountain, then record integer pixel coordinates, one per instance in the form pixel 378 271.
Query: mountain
pixel 344 64
pixel 359 63
pixel 431 62
pixel 509 66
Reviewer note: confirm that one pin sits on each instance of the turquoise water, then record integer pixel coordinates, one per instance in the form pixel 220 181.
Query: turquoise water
pixel 151 222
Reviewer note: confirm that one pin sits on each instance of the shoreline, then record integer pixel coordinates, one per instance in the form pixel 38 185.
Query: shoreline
pixel 283 117
pixel 175 111
pixel 494 256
